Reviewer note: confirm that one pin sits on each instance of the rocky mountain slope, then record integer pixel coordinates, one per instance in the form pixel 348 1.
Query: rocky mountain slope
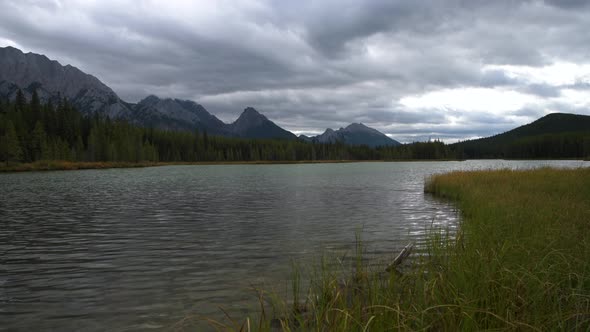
pixel 356 134
pixel 176 114
pixel 252 124
pixel 34 72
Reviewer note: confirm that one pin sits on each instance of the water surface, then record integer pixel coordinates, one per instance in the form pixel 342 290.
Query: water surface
pixel 137 249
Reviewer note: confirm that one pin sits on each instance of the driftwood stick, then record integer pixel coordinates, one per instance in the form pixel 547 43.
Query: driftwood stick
pixel 401 256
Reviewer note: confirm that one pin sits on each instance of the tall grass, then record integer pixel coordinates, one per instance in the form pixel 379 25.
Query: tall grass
pixel 519 261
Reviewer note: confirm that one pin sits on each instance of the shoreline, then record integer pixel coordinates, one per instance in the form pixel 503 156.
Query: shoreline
pixel 517 259
pixel 62 165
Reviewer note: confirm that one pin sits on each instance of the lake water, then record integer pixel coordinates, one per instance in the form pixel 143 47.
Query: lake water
pixel 139 249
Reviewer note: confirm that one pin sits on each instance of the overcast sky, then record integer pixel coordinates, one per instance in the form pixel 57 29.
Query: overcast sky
pixel 411 69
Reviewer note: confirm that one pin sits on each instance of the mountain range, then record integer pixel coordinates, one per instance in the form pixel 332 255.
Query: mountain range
pixel 34 72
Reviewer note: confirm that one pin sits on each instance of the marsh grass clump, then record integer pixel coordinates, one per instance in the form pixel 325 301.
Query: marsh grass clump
pixel 520 260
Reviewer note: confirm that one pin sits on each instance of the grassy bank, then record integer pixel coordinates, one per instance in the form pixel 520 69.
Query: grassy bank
pixel 524 257
pixel 520 261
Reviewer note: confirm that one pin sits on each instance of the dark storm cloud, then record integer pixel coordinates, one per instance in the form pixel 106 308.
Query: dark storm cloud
pixel 332 25
pixel 309 65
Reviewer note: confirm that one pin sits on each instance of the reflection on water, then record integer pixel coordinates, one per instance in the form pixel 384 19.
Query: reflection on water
pixel 137 249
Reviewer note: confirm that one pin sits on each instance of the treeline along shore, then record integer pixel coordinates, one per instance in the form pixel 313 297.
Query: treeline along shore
pixel 35 136
pixel 32 132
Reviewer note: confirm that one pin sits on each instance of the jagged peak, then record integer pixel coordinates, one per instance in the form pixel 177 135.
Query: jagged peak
pixel 355 126
pixel 360 127
pixel 250 111
pixel 251 114
pixel 151 99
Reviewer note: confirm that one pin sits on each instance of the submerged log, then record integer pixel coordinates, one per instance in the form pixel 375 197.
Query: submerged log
pixel 400 257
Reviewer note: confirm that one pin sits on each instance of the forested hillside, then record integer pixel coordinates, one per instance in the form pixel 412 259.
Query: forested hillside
pixel 556 135
pixel 30 131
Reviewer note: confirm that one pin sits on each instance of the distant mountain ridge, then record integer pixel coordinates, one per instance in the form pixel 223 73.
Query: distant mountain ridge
pixel 34 72
pixel 355 134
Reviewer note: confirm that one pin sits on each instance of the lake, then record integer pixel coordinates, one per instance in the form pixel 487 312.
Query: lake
pixel 140 249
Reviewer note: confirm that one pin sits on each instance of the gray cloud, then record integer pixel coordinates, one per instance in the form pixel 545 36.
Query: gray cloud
pixel 542 90
pixel 568 4
pixel 532 113
pixel 309 65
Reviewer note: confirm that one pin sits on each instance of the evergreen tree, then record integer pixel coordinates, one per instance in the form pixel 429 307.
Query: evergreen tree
pixel 39 141
pixel 35 106
pixel 21 101
pixel 10 148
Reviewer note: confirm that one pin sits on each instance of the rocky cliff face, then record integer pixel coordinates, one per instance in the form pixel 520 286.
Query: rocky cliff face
pixel 33 71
